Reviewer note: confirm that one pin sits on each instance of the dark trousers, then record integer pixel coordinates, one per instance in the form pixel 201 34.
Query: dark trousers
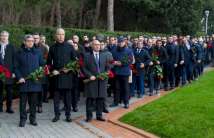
pixel 137 82
pixel 189 70
pixel 94 104
pixel 170 76
pixel 122 89
pixel 111 89
pixel 45 91
pixel 150 77
pixel 75 92
pixel 134 85
pixel 157 83
pixel 67 101
pixel 9 95
pixel 42 95
pixel 31 97
pixel 182 74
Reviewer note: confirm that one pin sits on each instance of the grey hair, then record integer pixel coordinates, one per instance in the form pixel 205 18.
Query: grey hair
pixel 27 36
pixel 4 32
pixel 59 29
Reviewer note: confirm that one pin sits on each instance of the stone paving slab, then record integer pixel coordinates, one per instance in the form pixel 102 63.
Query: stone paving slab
pixel 45 129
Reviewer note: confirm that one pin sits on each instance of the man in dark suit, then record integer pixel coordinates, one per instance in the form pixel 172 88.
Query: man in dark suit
pixel 60 54
pixel 159 51
pixel 96 90
pixel 7 53
pixel 75 92
pixel 142 60
pixel 27 60
pixel 172 63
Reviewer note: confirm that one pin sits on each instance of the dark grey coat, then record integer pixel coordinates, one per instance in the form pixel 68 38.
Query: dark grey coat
pixel 97 88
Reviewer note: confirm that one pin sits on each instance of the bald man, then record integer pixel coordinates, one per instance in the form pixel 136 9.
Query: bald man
pixel 96 90
pixel 59 55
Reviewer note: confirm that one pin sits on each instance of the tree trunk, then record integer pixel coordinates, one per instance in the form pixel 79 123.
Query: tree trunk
pixel 52 14
pixel 58 14
pixel 110 16
pixel 97 13
pixel 81 13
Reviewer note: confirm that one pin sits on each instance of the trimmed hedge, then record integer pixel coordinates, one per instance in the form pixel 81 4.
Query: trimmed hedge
pixel 17 33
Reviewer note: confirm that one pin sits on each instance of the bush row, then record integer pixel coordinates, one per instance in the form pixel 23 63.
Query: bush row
pixel 17 33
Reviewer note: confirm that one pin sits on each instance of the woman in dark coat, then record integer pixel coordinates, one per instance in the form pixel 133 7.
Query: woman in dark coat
pixel 27 60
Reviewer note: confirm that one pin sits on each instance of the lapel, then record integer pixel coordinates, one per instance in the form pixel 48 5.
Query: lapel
pixel 6 51
pixel 93 59
pixel 100 60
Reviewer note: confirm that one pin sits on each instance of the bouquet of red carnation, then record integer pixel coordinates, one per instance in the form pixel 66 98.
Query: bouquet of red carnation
pixel 102 76
pixel 73 65
pixel 4 73
pixel 158 71
pixel 38 74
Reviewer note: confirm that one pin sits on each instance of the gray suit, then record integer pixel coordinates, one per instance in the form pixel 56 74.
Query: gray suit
pixel 95 90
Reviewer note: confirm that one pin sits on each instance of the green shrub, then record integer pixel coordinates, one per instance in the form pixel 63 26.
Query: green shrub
pixel 17 33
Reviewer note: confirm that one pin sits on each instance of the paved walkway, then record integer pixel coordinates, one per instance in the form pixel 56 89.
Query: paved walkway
pixel 46 129
pixel 9 125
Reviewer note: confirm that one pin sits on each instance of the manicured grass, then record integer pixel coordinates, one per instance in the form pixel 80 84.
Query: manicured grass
pixel 188 112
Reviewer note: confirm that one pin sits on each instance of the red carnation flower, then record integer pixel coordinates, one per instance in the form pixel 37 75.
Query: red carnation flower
pixel 110 74
pixel 81 62
pixel 1 68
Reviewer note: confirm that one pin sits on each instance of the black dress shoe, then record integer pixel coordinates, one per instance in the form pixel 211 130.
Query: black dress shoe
pixel 55 119
pixel 88 119
pixel 10 111
pixel 114 105
pixel 22 123
pixel 126 106
pixel 33 123
pixel 105 111
pixel 75 109
pixel 101 119
pixel 68 119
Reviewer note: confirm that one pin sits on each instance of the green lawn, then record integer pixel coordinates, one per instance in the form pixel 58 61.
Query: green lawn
pixel 188 112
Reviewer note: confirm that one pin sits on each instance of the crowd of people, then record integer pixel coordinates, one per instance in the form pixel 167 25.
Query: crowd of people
pixel 140 66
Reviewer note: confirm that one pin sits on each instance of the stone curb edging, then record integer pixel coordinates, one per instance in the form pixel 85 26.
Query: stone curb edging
pixel 114 119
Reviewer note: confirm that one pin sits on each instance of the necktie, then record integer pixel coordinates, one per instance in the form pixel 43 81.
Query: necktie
pixel 97 62
pixel 3 51
pixel 138 51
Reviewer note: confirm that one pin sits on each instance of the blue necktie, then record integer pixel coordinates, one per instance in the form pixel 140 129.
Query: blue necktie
pixel 97 62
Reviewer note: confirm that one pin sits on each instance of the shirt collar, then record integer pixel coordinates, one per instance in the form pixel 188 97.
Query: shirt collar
pixel 95 53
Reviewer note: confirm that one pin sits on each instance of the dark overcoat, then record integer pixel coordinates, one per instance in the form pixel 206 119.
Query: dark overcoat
pixel 59 55
pixel 26 62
